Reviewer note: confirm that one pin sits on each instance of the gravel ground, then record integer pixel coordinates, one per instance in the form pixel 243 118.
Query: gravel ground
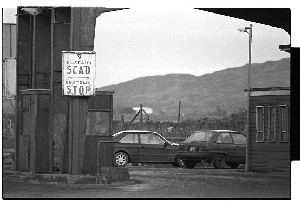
pixel 164 182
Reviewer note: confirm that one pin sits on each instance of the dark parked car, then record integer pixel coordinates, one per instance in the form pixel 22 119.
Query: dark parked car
pixel 219 147
pixel 136 146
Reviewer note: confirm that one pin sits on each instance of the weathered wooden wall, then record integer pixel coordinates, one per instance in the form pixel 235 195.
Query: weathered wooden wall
pixel 41 38
pixel 268 156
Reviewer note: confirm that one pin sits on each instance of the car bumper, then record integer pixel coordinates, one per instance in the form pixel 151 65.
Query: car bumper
pixel 196 156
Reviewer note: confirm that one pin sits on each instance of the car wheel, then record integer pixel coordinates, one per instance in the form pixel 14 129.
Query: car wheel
pixel 233 165
pixel 220 161
pixel 178 163
pixel 190 164
pixel 121 159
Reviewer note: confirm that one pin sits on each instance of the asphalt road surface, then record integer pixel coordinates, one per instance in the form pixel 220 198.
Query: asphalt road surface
pixel 163 182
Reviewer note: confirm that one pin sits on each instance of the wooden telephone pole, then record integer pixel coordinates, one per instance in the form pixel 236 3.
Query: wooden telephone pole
pixel 179 111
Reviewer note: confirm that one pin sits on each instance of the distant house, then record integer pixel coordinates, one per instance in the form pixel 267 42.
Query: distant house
pixel 269 145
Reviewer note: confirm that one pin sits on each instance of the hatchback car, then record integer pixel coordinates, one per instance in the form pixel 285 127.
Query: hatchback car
pixel 136 146
pixel 219 147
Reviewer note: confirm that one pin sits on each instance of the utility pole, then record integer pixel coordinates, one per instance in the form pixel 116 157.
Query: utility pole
pixel 141 113
pixel 122 122
pixel 179 111
pixel 247 168
pixel 218 113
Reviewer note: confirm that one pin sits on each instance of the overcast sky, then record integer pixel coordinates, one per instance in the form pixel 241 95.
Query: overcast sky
pixel 142 42
pixel 151 40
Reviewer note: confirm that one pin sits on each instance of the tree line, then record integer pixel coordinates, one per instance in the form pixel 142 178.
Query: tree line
pixel 235 121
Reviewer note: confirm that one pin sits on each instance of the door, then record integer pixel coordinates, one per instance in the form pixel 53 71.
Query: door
pixel 24 153
pixel 130 143
pixel 224 144
pixel 239 140
pixel 152 148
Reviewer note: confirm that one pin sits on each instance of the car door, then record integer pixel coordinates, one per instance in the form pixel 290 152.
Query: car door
pixel 152 148
pixel 129 143
pixel 239 141
pixel 224 144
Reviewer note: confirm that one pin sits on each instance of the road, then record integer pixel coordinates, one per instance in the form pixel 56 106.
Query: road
pixel 163 182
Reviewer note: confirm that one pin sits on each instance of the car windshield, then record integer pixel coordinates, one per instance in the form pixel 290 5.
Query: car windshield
pixel 199 137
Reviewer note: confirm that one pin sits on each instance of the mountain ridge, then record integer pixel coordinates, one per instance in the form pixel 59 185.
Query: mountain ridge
pixel 224 87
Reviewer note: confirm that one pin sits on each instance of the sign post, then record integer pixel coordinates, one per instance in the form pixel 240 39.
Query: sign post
pixel 78 68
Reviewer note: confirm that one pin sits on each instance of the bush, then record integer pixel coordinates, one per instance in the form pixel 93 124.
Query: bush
pixel 236 121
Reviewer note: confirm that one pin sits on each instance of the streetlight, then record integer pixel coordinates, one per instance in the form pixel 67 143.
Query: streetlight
pixel 248 96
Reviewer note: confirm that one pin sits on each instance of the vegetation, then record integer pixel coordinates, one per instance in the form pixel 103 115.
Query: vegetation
pixel 235 121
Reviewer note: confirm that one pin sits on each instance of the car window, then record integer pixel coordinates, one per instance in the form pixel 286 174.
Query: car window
pixel 199 137
pixel 129 138
pixel 150 138
pixel 224 138
pixel 238 138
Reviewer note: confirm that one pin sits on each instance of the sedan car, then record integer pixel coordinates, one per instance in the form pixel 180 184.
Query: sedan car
pixel 136 146
pixel 219 147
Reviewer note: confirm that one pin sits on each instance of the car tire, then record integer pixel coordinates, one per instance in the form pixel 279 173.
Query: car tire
pixel 190 164
pixel 121 159
pixel 220 161
pixel 178 163
pixel 233 165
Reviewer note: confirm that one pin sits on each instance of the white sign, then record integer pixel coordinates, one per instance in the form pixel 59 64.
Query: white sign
pixel 78 73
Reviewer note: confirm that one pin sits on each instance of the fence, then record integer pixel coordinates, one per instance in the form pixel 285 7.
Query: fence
pixel 235 121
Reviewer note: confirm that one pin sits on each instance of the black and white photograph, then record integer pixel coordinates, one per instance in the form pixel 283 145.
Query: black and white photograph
pixel 119 100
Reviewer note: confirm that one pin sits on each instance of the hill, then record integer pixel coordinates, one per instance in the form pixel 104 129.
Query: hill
pixel 200 94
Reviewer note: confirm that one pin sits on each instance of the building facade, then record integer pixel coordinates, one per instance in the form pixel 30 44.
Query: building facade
pixel 269 128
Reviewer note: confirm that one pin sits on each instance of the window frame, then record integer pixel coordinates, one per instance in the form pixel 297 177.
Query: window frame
pixel 262 126
pixel 153 134
pixel 281 107
pixel 126 134
pixel 238 134
pixel 88 127
pixel 221 134
pixel 272 117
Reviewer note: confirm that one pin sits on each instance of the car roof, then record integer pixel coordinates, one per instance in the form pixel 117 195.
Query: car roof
pixel 132 131
pixel 218 131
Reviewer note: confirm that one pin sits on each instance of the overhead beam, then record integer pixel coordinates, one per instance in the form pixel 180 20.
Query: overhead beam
pixel 275 17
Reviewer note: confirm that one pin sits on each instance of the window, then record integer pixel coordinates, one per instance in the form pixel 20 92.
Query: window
pixel 259 124
pixel 283 123
pixel 238 138
pixel 271 123
pixel 97 123
pixel 224 138
pixel 200 137
pixel 151 138
pixel 130 138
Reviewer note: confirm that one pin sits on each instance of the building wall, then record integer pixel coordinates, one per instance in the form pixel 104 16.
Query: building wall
pixel 8 53
pixel 9 40
pixel 268 156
